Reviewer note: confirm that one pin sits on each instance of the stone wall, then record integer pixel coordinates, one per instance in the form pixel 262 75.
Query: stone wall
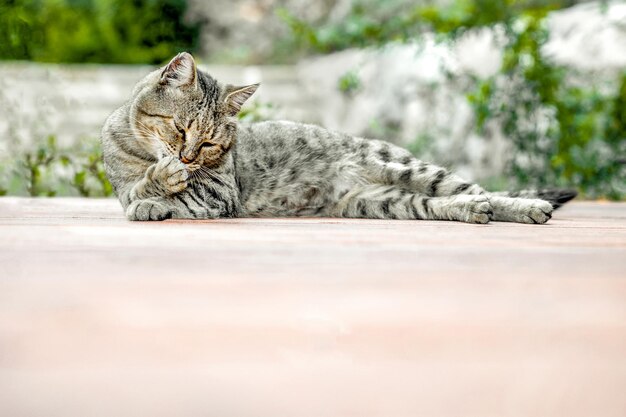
pixel 416 94
pixel 248 30
pixel 411 94
pixel 72 101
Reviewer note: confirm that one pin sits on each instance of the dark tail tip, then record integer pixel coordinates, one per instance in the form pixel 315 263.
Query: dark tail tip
pixel 557 196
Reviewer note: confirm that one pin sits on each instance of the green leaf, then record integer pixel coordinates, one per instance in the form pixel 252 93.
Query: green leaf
pixel 79 178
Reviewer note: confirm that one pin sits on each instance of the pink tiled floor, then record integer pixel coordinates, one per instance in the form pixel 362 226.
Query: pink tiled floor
pixel 303 317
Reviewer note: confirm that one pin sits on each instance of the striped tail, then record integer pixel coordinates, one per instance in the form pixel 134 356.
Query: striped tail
pixel 555 196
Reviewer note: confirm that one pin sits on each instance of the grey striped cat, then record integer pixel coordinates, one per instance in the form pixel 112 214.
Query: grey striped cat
pixel 177 150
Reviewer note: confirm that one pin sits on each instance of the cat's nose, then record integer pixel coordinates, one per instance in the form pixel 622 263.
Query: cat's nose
pixel 184 160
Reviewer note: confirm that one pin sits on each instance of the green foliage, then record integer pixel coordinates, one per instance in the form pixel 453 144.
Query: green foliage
pixel 107 31
pixel 37 163
pixel 50 171
pixel 374 24
pixel 349 83
pixel 563 131
pixel 421 144
pixel 78 170
pixel 256 112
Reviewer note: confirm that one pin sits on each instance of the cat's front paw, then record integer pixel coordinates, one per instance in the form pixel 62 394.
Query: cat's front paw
pixel 171 174
pixel 206 213
pixel 144 210
pixel 536 212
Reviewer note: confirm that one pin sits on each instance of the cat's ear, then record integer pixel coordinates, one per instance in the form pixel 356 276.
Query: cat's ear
pixel 180 72
pixel 234 97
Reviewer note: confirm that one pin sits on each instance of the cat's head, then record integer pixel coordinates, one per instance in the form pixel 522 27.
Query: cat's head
pixel 180 111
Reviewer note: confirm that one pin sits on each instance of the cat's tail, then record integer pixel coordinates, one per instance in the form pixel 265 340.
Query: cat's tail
pixel 555 196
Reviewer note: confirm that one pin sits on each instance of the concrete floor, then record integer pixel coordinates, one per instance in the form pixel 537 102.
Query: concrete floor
pixel 309 317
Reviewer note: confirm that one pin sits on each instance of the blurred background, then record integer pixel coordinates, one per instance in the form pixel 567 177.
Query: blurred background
pixel 512 94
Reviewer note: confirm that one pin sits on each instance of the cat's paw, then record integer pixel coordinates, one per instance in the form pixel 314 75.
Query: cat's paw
pixel 206 213
pixel 521 210
pixel 171 174
pixel 144 210
pixel 536 212
pixel 475 209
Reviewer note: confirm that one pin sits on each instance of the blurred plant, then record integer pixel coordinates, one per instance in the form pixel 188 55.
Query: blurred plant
pixel 421 144
pixel 377 23
pixel 256 112
pixel 89 176
pixel 106 31
pixel 349 83
pixel 563 133
pixel 51 171
pixel 37 163
pixel 77 170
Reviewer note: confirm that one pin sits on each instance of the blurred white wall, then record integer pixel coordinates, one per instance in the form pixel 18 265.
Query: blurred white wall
pixel 416 93
pixel 407 92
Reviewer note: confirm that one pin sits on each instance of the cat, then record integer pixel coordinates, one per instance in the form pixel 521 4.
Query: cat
pixel 177 150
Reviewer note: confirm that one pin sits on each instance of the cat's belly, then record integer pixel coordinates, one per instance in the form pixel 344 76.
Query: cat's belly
pixel 311 200
pixel 315 191
pixel 305 198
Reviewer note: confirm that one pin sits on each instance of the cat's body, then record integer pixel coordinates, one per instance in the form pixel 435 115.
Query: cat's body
pixel 176 151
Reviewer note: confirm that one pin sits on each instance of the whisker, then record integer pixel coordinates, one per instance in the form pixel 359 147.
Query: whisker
pixel 138 122
pixel 142 132
pixel 206 171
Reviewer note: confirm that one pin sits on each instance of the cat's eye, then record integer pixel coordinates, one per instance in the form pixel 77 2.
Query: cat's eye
pixel 181 131
pixel 207 145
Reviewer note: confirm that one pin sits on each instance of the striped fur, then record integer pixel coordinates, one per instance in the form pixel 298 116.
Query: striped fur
pixel 176 150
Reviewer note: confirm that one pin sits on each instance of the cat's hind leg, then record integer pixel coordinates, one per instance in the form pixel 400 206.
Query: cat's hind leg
pixel 394 166
pixel 391 165
pixel 555 196
pixel 520 210
pixel 390 202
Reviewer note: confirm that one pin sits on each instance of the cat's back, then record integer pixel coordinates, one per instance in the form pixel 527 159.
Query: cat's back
pixel 284 168
pixel 292 137
pixel 274 147
pixel 278 130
